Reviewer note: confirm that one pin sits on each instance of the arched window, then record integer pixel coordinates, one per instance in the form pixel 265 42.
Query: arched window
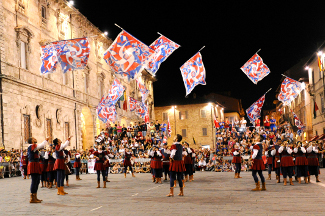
pixel 23 40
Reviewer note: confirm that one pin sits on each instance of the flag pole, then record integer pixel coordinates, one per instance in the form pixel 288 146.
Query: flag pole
pixel 201 48
pixel 118 26
pixel 268 90
pixel 258 51
pixel 284 75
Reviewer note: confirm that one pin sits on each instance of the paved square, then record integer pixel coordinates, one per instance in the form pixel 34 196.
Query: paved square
pixel 210 194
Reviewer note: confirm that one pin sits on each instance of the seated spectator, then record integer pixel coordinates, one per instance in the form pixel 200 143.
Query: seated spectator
pixel 202 164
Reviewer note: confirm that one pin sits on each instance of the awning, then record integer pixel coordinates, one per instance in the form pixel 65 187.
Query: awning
pixel 314 138
pixel 321 137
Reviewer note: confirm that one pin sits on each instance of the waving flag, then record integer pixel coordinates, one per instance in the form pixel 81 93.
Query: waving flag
pixel 254 111
pixel 298 123
pixel 21 164
pixel 71 54
pixel 141 110
pixel 146 117
pixel 106 113
pixel 193 73
pixel 255 69
pixel 133 104
pixel 115 92
pixel 290 89
pixel 127 56
pixel 163 49
pixel 170 129
pixel 143 90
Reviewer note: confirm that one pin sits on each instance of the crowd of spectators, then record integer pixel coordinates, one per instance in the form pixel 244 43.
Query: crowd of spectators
pixel 141 137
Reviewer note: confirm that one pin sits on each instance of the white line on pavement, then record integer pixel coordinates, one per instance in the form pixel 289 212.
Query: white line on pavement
pixel 96 208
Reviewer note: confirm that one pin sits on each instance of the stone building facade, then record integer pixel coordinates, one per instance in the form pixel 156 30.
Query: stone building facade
pixel 192 121
pixel 55 105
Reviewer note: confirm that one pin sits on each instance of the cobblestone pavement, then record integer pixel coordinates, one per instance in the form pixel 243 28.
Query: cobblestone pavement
pixel 210 194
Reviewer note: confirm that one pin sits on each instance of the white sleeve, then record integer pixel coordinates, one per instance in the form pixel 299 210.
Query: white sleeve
pixel 46 155
pixel 167 152
pixel 280 149
pixel 289 150
pixel 184 153
pixel 235 153
pixel 111 155
pixel 315 149
pixel 303 149
pixel 193 154
pixel 106 156
pixel 40 146
pixel 251 148
pixel 273 152
pixel 159 153
pixel 295 150
pixel 78 156
pixel 151 153
pixel 64 145
pixel 91 156
pixel 54 155
pixel 309 149
pixel 255 151
pixel 266 154
pixel 189 150
pixel 173 152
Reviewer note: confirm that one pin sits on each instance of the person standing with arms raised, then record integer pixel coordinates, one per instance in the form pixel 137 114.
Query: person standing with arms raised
pixel 258 164
pixel 59 165
pixel 176 166
pixel 34 168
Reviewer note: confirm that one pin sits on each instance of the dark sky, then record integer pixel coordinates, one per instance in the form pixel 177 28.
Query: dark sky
pixel 232 31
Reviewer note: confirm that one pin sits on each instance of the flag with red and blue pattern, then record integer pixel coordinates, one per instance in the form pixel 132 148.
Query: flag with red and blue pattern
pixel 143 90
pixel 298 123
pixel 193 73
pixel 127 56
pixel 254 111
pixel 169 128
pixel 106 112
pixel 133 104
pixel 255 69
pixel 290 89
pixel 71 54
pixel 163 47
pixel 115 92
pixel 141 110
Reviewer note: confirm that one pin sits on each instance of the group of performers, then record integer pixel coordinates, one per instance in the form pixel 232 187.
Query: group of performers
pixel 284 157
pixel 176 162
pixel 51 167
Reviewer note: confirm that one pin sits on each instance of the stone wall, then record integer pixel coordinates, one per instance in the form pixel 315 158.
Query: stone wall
pixel 62 97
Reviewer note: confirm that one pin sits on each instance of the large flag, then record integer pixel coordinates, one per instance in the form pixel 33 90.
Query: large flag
pixel 127 56
pixel 255 69
pixel 193 72
pixel 21 163
pixel 71 54
pixel 320 63
pixel 169 129
pixel 106 113
pixel 290 89
pixel 141 110
pixel 146 117
pixel 254 111
pixel 163 47
pixel 133 103
pixel 143 90
pixel 115 92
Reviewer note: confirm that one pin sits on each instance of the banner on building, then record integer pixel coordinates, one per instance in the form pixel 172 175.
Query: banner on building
pixel 127 56
pixel 163 48
pixel 298 123
pixel 143 90
pixel 71 54
pixel 193 73
pixel 255 69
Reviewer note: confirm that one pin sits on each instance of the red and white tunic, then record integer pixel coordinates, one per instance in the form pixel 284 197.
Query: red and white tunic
pixel 156 159
pixel 60 156
pixel 236 155
pixel 77 163
pixel 258 163
pixel 101 157
pixel 177 164
pixel 33 158
pixel 286 158
pixel 312 156
pixel 301 159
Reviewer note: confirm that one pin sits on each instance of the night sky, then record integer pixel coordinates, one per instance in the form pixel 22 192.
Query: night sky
pixel 231 31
